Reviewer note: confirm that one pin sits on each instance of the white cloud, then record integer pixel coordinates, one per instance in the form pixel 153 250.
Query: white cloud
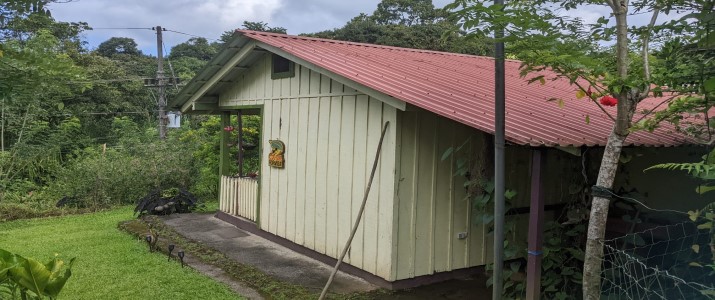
pixel 210 18
pixel 207 18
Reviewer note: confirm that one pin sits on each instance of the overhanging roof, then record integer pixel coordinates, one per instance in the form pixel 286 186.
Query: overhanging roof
pixel 457 86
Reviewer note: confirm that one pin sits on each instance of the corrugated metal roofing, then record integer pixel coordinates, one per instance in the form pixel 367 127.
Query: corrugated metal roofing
pixel 461 87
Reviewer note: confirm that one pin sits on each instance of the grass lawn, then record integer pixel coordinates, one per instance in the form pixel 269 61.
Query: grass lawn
pixel 110 264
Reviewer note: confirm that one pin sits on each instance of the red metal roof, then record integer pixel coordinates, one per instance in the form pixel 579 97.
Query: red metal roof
pixel 461 87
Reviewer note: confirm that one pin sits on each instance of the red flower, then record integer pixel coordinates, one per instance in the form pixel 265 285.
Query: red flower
pixel 609 101
pixel 228 128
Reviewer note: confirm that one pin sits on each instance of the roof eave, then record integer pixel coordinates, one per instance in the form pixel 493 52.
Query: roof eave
pixel 199 83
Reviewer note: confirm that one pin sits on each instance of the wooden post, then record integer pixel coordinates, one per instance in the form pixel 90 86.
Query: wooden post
pixel 536 224
pixel 240 143
pixel 225 159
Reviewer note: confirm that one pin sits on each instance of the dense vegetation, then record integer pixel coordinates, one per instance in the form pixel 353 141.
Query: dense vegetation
pixel 79 125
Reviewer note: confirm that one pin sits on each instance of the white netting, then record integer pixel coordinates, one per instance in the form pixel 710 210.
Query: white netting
pixel 665 262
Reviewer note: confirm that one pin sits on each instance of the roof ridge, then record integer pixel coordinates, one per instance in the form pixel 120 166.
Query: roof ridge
pixel 324 40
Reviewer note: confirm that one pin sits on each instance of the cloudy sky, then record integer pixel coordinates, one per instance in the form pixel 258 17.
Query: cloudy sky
pixel 206 18
pixel 210 18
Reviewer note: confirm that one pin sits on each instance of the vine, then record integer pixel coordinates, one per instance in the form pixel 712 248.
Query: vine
pixel 564 238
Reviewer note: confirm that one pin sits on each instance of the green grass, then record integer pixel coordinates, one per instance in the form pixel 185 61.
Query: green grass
pixel 110 264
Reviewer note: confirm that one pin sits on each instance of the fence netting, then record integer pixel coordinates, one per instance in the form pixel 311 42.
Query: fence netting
pixel 665 262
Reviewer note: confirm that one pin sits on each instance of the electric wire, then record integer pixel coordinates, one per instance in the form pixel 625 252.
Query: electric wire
pixel 192 35
pixel 128 28
pixel 171 68
pixel 642 204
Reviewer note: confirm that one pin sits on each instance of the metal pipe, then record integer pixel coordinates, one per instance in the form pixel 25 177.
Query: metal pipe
pixel 499 186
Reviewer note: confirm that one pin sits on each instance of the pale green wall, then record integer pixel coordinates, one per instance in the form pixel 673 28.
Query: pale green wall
pixel 331 133
pixel 432 208
pixel 417 205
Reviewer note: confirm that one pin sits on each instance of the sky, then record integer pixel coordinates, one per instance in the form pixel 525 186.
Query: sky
pixel 210 18
pixel 205 18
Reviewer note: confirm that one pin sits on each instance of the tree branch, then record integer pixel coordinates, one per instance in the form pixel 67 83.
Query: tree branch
pixel 659 104
pixel 646 42
pixel 611 4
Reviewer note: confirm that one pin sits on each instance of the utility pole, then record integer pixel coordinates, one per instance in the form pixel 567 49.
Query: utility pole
pixel 160 83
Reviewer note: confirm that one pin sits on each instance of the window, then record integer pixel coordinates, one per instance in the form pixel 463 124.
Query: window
pixel 281 67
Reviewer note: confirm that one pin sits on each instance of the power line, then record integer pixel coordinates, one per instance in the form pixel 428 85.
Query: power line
pixel 129 28
pixel 173 75
pixel 193 35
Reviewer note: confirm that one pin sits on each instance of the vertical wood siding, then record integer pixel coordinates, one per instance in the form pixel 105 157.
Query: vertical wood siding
pixel 431 199
pixel 331 134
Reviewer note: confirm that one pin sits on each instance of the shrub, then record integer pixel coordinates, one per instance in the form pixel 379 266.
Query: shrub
pixel 26 278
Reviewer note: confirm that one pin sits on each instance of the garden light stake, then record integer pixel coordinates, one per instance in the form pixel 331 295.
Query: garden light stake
pixel 181 257
pixel 171 248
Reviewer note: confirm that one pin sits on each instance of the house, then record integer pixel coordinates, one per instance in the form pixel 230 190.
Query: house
pixel 323 104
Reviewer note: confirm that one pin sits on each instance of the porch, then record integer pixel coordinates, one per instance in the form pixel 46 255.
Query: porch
pixel 239 191
pixel 247 247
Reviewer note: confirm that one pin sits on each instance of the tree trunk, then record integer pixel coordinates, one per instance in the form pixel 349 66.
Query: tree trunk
pixel 599 216
pixel 609 163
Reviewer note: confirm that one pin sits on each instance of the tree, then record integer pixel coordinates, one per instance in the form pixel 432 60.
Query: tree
pixel 196 47
pixel 406 12
pixel 547 36
pixel 118 46
pixel 262 26
pixel 411 24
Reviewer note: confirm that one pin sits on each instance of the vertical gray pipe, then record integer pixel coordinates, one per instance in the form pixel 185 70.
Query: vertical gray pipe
pixel 498 160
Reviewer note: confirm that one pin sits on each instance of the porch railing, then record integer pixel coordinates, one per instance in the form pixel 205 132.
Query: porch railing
pixel 239 196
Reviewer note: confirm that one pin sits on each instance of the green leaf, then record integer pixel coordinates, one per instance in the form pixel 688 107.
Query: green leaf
pixel 486 219
pixel 560 102
pixel 8 261
pixel 509 194
pixel 694 264
pixel 482 199
pixel 707 225
pixel 514 266
pixel 447 153
pixel 32 275
pixel 702 189
pixel 696 248
pixel 588 119
pixel 693 215
pixel 709 85
pixel 57 281
pixel 488 187
pixel 638 240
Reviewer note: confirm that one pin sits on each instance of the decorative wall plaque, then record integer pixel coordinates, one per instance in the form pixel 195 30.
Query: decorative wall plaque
pixel 275 158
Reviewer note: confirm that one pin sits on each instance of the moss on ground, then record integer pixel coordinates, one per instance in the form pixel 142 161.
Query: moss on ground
pixel 267 285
